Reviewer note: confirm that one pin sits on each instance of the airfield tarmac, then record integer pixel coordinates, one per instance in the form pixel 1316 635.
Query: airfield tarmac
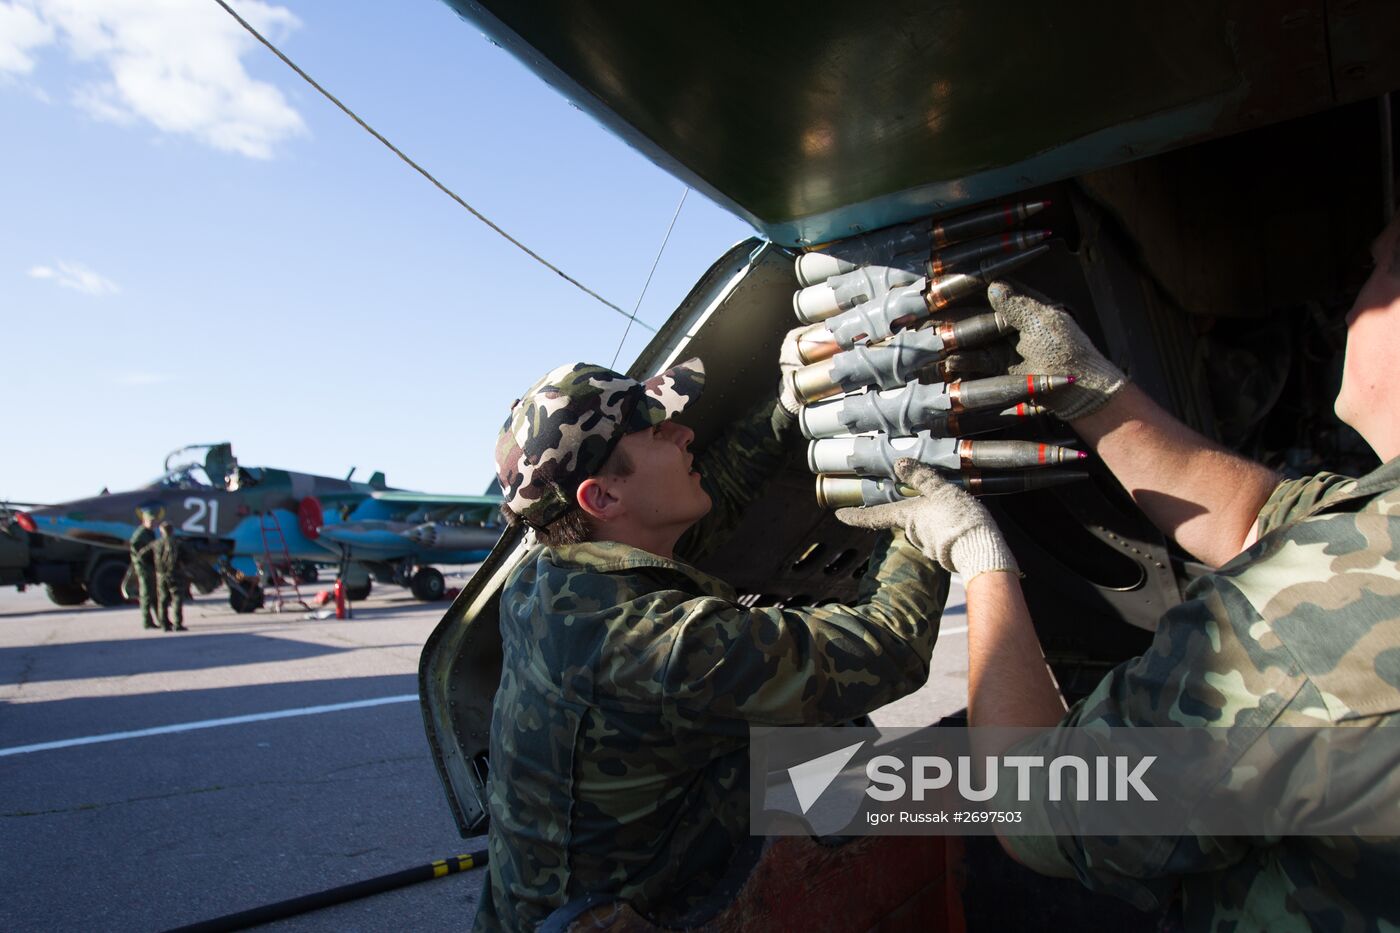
pixel 147 832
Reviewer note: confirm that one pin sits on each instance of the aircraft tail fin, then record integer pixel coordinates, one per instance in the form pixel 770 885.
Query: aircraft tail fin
pixel 376 481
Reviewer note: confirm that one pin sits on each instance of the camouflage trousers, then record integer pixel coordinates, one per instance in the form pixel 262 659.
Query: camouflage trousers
pixel 146 584
pixel 170 592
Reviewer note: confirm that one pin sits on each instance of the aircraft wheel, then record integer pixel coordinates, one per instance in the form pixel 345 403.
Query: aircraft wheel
pixel 248 599
pixel 305 572
pixel 427 584
pixel 104 584
pixel 67 594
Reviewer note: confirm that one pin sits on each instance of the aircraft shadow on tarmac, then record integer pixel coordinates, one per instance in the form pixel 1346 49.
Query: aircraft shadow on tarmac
pixel 95 659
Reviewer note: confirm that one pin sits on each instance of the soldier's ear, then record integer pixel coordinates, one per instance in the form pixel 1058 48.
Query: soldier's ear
pixel 597 500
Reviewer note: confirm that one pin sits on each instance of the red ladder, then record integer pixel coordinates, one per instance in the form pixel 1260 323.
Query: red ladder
pixel 271 530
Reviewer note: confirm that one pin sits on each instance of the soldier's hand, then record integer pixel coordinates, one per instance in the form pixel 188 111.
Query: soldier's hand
pixel 789 361
pixel 1051 342
pixel 944 522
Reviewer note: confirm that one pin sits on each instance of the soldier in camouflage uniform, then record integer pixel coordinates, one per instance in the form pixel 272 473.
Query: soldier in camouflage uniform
pixel 619 740
pixel 170 579
pixel 1298 626
pixel 143 563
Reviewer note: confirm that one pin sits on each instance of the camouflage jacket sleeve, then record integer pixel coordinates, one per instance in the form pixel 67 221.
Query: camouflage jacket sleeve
pixel 733 470
pixel 1200 669
pixel 810 665
pixel 1295 498
pixel 1294 632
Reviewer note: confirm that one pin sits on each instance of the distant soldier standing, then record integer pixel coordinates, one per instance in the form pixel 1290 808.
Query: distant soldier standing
pixel 143 562
pixel 170 579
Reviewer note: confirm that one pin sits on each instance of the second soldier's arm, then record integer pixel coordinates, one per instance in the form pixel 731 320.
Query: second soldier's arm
pixel 1008 681
pixel 1200 494
pixel 1204 496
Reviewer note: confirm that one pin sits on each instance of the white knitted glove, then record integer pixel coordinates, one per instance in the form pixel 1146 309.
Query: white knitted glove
pixel 944 522
pixel 788 360
pixel 1051 342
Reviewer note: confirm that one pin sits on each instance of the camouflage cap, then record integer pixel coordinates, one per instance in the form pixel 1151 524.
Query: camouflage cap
pixel 562 430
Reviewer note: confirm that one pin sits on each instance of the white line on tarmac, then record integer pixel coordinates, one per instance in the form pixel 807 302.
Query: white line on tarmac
pixel 240 720
pixel 205 724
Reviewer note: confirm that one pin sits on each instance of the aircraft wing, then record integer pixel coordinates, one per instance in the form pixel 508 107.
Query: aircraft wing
pixel 476 508
pixel 405 497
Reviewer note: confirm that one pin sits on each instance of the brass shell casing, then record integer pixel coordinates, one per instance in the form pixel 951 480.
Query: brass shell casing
pixel 816 344
pixel 814 382
pixel 841 492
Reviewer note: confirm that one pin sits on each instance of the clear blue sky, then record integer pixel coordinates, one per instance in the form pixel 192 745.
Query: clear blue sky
pixel 195 246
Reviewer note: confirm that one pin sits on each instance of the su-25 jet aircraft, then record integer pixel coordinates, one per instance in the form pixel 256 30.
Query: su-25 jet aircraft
pixel 248 524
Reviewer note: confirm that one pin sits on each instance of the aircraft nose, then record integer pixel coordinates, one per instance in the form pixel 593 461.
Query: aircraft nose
pixel 35 520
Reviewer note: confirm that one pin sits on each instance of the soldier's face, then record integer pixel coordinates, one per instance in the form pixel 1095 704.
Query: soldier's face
pixel 1370 379
pixel 663 489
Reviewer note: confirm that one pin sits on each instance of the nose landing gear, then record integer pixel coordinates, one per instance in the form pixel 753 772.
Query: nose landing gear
pixel 428 585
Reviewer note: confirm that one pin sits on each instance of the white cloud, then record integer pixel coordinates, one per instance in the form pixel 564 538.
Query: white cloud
pixel 176 64
pixel 21 31
pixel 76 276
